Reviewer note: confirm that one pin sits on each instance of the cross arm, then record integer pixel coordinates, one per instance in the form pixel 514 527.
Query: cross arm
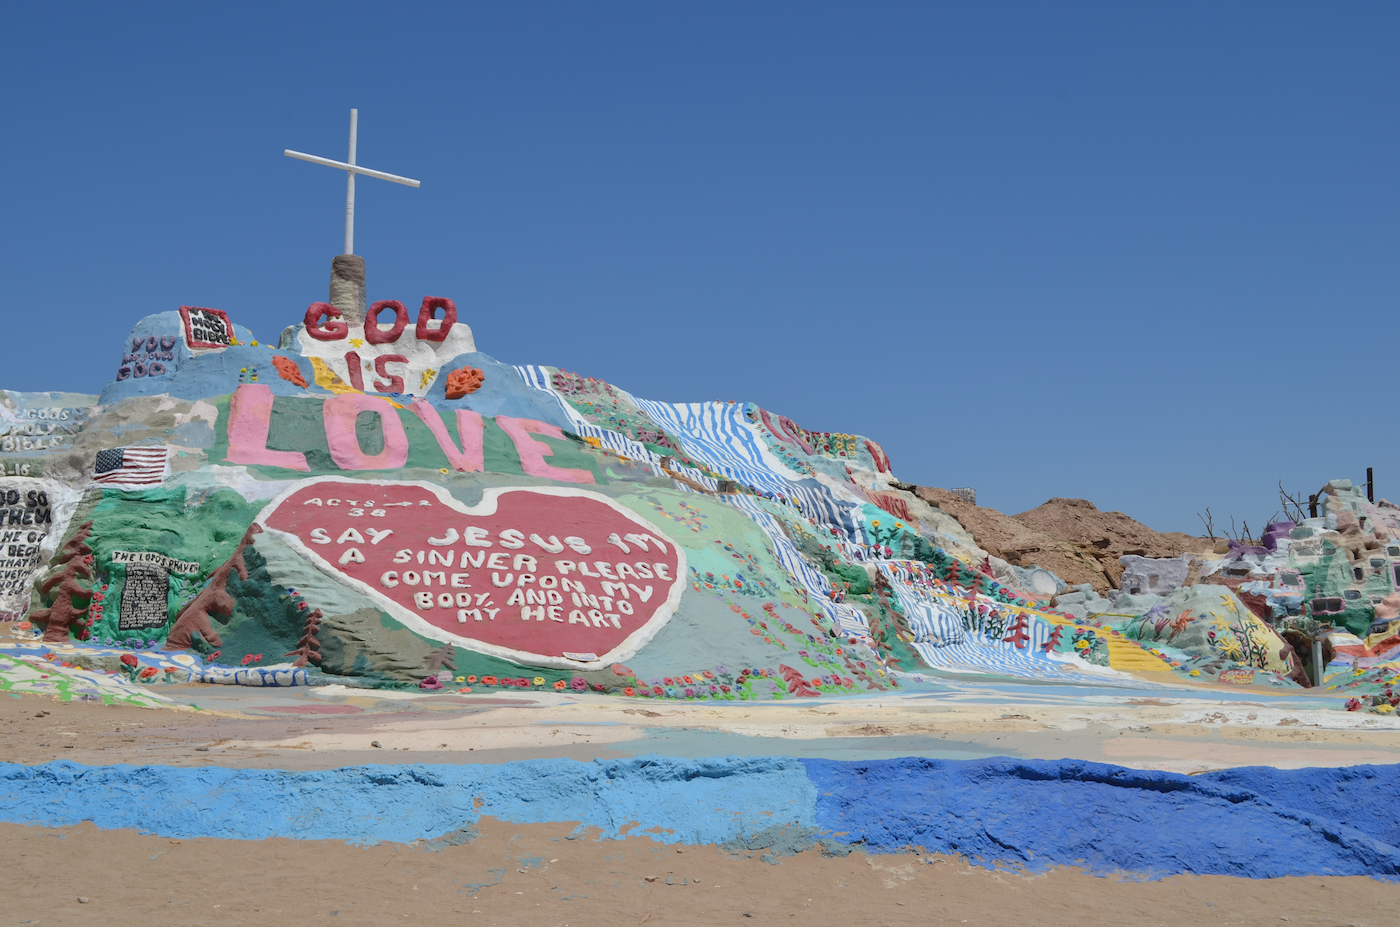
pixel 355 168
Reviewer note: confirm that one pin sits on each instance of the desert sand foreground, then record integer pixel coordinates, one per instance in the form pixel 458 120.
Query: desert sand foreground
pixel 1177 730
pixel 545 874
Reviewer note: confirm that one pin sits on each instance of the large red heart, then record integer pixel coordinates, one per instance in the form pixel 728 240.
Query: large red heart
pixel 553 576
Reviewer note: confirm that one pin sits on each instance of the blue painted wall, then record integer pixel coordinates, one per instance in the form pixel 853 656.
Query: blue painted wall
pixel 1254 822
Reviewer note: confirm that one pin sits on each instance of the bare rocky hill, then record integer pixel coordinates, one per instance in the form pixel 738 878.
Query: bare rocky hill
pixel 1069 537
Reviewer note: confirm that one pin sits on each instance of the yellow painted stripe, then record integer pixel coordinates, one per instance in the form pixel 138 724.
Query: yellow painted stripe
pixel 1127 656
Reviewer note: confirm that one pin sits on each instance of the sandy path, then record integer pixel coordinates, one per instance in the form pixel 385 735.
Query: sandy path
pixel 317 731
pixel 536 875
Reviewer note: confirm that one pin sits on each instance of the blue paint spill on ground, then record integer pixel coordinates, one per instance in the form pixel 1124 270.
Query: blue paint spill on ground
pixel 1032 814
pixel 1255 822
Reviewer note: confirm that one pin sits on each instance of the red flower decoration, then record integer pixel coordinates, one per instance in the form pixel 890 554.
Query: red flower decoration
pixel 629 691
pixel 129 659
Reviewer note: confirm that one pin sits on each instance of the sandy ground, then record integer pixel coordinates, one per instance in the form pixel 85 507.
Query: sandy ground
pixel 320 728
pixel 537 875
pixel 542 874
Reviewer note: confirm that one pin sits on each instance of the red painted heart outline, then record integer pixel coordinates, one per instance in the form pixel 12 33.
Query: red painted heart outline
pixel 613 580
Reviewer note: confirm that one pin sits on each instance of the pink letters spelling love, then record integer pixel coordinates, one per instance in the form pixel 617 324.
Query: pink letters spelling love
pixel 556 574
pixel 250 418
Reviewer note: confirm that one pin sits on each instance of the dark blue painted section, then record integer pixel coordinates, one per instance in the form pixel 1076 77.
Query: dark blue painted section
pixel 1255 822
pixel 1366 798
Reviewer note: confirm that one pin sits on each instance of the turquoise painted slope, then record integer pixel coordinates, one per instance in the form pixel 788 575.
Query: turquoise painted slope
pixel 1256 822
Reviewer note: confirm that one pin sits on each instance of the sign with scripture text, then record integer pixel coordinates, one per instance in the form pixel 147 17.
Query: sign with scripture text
pixel 26 518
pixel 550 575
pixel 145 598
pixel 206 328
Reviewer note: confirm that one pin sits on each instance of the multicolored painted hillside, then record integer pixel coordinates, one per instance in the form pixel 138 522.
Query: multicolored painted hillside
pixel 372 501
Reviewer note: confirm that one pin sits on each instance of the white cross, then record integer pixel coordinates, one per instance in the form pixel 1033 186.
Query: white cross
pixel 351 169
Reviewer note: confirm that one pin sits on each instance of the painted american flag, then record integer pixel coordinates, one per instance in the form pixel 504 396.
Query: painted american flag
pixel 132 466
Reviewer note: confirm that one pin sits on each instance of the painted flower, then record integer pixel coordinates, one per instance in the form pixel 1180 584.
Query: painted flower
pixel 148 672
pixel 128 659
pixel 559 684
pixel 539 680
pixel 687 680
pixel 471 679
pixel 460 679
pixel 669 680
pixel 656 690
pixel 629 691
pixel 690 693
pixel 579 683
pixel 488 680
pixel 724 688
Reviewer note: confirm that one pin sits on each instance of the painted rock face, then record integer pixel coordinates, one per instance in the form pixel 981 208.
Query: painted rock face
pixel 554 576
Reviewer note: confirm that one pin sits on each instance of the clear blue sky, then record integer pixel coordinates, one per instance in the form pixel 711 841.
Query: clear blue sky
pixel 1142 254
